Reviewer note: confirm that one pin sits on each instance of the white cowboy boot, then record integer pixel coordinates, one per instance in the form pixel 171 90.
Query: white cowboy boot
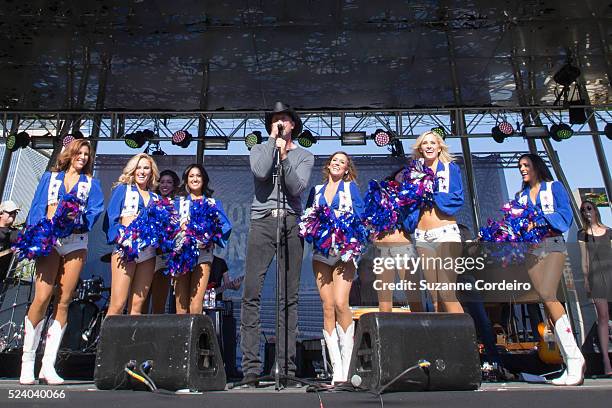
pixel 31 338
pixel 574 373
pixel 331 340
pixel 347 341
pixel 47 374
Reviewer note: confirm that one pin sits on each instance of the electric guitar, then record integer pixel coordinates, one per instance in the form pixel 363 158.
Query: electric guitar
pixel 234 282
pixel 548 349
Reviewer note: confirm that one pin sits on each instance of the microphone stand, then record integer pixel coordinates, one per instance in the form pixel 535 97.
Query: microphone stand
pixel 279 180
pixel 278 175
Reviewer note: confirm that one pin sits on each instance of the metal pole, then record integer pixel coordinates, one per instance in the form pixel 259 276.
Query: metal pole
pixel 469 169
pixel 97 121
pixel 520 91
pixel 459 120
pixel 202 120
pixel 6 159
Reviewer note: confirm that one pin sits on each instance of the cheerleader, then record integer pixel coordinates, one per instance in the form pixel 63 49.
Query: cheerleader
pixel 396 242
pixel 131 194
pixel 168 185
pixel 72 174
pixel 546 261
pixel 333 276
pixel 190 288
pixel 437 234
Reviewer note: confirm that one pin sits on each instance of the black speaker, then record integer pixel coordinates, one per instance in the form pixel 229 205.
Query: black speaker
pixel 182 349
pixel 386 344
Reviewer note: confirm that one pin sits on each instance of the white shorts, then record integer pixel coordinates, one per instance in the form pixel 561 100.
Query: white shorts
pixel 206 256
pixel 71 243
pixel 330 260
pixel 393 249
pixel 430 238
pixel 160 263
pixel 548 245
pixel 144 255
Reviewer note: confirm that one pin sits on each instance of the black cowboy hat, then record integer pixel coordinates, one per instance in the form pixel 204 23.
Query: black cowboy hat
pixel 280 107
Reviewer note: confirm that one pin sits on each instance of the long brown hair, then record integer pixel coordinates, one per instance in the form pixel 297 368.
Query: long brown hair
pixel 585 220
pixel 351 171
pixel 64 159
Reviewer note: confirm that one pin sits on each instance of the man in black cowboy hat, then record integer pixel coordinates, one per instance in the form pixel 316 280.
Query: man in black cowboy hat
pixel 282 124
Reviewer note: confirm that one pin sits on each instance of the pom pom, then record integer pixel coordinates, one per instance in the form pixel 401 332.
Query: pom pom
pixel 203 229
pixel 343 235
pixel 37 240
pixel 388 203
pixel 520 228
pixel 155 226
pixel 67 217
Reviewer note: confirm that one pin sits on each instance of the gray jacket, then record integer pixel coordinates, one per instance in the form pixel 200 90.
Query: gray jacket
pixel 297 167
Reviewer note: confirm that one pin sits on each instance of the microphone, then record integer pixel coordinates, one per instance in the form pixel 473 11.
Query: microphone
pixel 280 129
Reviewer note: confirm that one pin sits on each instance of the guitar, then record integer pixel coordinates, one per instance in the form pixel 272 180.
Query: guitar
pixel 236 282
pixel 548 349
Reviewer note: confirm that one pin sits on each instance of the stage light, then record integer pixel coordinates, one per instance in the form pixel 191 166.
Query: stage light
pixel 567 74
pixel 181 138
pixel 608 130
pixel 306 139
pixel 216 143
pixel 252 139
pixel 17 141
pixel 506 128
pixel 69 138
pixel 154 150
pixel 397 148
pixel 530 132
pixel 497 134
pixel 381 138
pixel 43 142
pixel 137 139
pixel 440 131
pixel 561 132
pixel 353 138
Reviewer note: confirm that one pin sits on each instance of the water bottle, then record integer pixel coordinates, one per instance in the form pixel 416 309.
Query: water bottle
pixel 213 298
pixel 206 299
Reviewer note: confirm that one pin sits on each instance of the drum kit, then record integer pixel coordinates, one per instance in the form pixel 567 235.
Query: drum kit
pixel 85 313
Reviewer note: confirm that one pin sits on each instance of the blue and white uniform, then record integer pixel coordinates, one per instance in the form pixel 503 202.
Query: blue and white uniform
pixel 125 201
pixel 448 198
pixel 347 199
pixel 554 202
pixel 183 207
pixel 51 190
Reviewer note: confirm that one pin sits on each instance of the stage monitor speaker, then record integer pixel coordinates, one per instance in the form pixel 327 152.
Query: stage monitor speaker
pixel 182 349
pixel 386 344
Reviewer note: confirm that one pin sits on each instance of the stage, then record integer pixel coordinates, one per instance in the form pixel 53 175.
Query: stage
pixel 594 393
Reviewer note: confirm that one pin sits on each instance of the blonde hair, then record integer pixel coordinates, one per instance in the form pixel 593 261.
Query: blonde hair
pixel 64 160
pixel 127 175
pixel 351 171
pixel 445 156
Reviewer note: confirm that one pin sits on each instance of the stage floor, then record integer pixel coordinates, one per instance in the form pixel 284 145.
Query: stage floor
pixel 594 393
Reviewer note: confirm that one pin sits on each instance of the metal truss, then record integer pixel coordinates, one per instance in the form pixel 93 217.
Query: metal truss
pixel 324 125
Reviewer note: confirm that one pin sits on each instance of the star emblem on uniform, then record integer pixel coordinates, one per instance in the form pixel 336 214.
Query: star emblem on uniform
pixel 568 330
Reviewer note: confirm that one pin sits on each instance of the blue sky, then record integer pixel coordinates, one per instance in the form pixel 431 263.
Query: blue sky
pixel 577 156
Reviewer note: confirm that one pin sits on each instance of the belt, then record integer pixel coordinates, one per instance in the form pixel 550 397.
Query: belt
pixel 279 212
